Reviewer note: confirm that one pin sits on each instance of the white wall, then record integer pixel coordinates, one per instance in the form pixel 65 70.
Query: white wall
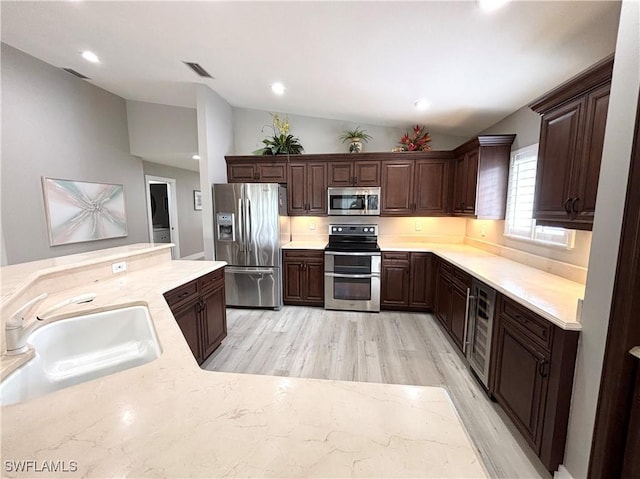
pixel 189 220
pixel 320 135
pixel 215 140
pixel 162 131
pixel 606 238
pixel 56 125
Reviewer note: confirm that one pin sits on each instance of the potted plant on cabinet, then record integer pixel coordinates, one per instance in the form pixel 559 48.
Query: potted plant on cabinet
pixel 355 138
pixel 416 142
pixel 281 143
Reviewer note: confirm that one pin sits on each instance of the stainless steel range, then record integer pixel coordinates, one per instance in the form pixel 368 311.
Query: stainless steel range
pixel 352 265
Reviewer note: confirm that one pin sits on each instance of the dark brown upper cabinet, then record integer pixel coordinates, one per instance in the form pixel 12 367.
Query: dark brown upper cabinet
pixel 416 184
pixel 307 188
pixel 574 117
pixel 256 169
pixel 361 173
pixel 480 177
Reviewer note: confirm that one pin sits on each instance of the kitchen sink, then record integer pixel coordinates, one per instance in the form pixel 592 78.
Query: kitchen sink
pixel 78 349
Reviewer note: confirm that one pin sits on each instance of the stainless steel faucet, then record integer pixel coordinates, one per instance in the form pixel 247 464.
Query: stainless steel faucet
pixel 15 332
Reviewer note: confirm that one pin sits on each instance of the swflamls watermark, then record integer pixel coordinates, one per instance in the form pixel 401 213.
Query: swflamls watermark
pixel 31 465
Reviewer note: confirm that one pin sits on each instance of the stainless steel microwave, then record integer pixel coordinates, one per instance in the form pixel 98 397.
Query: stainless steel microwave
pixel 354 201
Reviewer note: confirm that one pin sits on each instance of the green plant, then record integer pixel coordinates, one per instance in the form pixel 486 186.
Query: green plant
pixel 355 135
pixel 281 143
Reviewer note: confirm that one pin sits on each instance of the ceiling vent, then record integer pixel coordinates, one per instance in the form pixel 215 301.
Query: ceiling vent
pixel 77 74
pixel 198 69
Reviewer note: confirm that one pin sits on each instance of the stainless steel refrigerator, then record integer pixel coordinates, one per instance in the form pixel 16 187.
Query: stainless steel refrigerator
pixel 251 225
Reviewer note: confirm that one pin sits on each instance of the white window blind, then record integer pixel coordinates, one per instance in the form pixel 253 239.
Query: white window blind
pixel 519 217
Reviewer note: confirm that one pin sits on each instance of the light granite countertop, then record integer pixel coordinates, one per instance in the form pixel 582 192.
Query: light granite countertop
pixel 552 297
pixel 169 418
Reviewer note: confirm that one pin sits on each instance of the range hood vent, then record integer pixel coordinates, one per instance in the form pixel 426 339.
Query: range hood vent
pixel 77 74
pixel 198 69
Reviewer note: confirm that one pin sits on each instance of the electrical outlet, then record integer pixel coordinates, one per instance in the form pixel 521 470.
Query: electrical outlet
pixel 418 226
pixel 483 231
pixel 119 267
pixel 312 225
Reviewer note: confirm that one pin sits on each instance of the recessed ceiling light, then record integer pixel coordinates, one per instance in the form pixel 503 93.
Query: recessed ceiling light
pixel 421 104
pixel 277 88
pixel 195 157
pixel 491 5
pixel 90 56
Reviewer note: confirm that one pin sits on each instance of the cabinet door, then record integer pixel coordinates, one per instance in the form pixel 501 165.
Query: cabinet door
pixel 443 300
pixel 214 320
pixel 459 184
pixel 240 173
pixel 421 289
pixel 559 149
pixel 431 187
pixel 314 281
pixel 187 319
pixel 471 182
pixel 595 121
pixel 296 189
pixel 293 281
pixel 270 173
pixel 340 173
pixel 458 315
pixel 395 284
pixel 366 173
pixel 316 193
pixel 521 380
pixel 397 186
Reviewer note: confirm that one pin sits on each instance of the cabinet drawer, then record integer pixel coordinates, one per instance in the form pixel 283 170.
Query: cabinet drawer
pixel 304 255
pixel 539 329
pixel 181 294
pixel 461 278
pixel 395 257
pixel 211 281
pixel 445 268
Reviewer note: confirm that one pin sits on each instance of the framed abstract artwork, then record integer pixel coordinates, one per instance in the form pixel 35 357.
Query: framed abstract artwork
pixel 79 211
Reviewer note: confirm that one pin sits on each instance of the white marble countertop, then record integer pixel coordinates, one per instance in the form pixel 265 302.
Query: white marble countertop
pixel 305 245
pixel 552 297
pixel 169 418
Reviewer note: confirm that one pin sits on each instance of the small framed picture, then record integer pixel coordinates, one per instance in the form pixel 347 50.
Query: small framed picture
pixel 197 200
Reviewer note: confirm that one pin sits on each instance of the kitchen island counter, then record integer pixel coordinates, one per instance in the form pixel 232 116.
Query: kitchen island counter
pixel 169 418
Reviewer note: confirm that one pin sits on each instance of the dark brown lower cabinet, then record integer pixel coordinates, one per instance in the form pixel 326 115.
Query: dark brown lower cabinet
pixel 303 277
pixel 200 310
pixel 407 281
pixel 451 300
pixel 533 364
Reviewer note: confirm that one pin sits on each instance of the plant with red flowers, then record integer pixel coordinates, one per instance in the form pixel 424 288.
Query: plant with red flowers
pixel 417 142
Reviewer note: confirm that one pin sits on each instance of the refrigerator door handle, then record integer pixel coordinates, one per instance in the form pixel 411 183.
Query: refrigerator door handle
pixel 241 225
pixel 249 225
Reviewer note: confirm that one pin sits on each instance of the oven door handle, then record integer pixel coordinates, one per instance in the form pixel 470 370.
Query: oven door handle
pixel 356 276
pixel 349 253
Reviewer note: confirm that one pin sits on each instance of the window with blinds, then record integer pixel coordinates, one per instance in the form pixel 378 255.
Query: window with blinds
pixel 519 222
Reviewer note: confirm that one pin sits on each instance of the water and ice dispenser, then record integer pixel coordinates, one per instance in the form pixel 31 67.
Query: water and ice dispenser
pixel 225 227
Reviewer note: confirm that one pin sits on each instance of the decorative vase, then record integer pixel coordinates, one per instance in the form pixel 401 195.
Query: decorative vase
pixel 355 146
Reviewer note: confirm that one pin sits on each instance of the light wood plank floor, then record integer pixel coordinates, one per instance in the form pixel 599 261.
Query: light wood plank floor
pixel 389 347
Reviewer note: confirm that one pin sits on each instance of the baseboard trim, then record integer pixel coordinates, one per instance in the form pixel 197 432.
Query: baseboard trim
pixel 195 256
pixel 562 473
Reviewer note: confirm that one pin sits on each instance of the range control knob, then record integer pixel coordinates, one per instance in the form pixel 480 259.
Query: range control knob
pixel 339 229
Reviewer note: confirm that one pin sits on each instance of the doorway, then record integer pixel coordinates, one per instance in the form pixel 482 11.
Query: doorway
pixel 162 212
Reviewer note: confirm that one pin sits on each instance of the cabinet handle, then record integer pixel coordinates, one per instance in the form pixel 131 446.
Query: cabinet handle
pixel 183 295
pixel 543 369
pixel 355 180
pixel 574 205
pixel 256 176
pixel 567 206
